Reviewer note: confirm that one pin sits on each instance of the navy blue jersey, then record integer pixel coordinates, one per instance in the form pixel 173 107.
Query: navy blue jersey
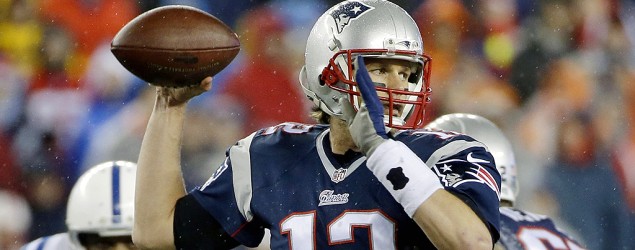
pixel 524 230
pixel 286 178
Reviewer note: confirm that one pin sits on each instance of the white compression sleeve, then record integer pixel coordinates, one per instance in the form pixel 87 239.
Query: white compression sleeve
pixel 404 174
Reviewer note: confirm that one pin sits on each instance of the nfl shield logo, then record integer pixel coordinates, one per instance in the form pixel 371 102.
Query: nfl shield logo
pixel 339 175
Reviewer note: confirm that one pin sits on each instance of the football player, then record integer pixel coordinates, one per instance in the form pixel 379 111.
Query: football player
pixel 519 229
pixel 100 211
pixel 364 178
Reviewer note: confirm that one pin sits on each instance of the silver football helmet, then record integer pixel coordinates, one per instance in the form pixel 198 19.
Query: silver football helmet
pixel 102 201
pixel 378 29
pixel 489 134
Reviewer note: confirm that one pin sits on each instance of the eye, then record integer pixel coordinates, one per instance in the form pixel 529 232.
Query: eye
pixel 404 75
pixel 377 71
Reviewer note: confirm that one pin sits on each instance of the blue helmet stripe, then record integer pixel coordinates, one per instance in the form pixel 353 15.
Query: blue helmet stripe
pixel 116 206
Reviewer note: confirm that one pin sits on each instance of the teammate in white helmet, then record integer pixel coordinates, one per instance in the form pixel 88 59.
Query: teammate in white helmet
pixel 100 211
pixel 520 230
pixel 366 177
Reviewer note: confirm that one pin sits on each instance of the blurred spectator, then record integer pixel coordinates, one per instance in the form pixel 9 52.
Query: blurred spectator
pixel 10 173
pixel 299 17
pixel 12 94
pixel 498 21
pixel 55 104
pixel 624 151
pixel 47 185
pixel 111 87
pixel 543 38
pixel 54 110
pixel 14 220
pixel 12 90
pixel 227 11
pixel 581 177
pixel 203 150
pixel 55 56
pixel 264 82
pixel 119 136
pixel 21 34
pixel 478 92
pixel 566 89
pixel 90 22
pixel 445 26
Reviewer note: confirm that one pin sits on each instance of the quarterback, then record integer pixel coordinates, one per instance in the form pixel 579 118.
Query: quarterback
pixel 365 177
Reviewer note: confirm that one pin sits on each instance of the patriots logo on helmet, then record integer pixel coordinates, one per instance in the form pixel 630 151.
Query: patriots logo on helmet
pixel 405 43
pixel 348 11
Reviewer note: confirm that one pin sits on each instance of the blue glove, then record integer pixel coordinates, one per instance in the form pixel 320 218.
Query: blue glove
pixel 366 125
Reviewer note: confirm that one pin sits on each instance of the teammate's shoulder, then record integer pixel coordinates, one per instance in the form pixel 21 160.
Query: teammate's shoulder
pixel 516 219
pixel 522 215
pixel 56 241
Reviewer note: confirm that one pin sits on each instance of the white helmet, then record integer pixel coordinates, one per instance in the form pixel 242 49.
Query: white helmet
pixel 489 134
pixel 377 29
pixel 102 201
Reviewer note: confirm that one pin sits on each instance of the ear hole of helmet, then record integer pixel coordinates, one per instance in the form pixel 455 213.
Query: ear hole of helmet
pixel 321 80
pixel 328 76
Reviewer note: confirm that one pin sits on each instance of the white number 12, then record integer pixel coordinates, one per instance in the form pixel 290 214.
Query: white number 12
pixel 300 228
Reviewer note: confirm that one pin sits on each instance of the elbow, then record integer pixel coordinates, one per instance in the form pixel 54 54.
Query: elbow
pixel 475 240
pixel 144 239
pixel 141 240
pixel 465 239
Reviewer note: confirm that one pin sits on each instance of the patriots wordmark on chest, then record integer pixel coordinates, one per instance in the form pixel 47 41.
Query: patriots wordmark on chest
pixel 328 197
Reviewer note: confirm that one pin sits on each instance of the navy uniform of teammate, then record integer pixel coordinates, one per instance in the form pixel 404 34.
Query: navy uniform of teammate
pixel 519 229
pixel 364 179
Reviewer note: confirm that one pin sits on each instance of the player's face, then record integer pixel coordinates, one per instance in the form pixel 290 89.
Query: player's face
pixel 392 74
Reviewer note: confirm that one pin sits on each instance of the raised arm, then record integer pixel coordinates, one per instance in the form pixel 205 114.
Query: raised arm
pixel 159 181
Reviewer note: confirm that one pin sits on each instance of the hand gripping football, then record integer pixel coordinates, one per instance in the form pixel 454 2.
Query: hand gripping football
pixel 175 46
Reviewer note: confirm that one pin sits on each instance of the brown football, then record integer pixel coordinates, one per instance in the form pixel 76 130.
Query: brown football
pixel 175 46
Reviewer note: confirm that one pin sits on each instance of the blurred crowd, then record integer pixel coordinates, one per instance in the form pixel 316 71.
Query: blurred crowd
pixel 558 76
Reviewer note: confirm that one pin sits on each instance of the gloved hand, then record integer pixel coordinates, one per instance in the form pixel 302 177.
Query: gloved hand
pixel 408 179
pixel 366 125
